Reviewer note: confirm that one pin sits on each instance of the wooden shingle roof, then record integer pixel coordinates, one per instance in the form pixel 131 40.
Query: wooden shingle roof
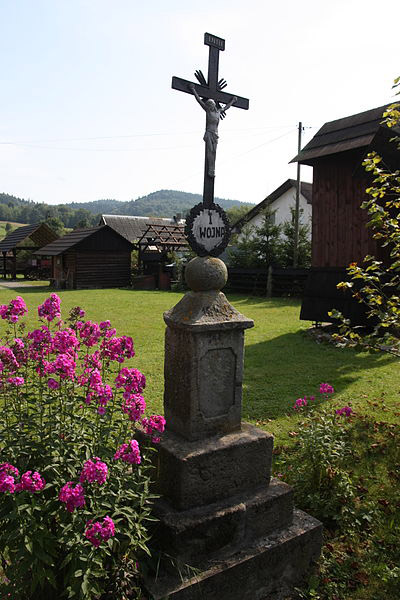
pixel 130 227
pixel 348 133
pixel 40 234
pixel 72 239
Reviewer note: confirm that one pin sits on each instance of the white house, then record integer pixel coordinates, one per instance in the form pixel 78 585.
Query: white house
pixel 280 202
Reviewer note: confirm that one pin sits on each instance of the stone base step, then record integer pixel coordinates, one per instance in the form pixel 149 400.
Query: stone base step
pixel 268 569
pixel 196 535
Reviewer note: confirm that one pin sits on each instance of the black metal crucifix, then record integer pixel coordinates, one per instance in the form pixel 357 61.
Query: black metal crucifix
pixel 210 90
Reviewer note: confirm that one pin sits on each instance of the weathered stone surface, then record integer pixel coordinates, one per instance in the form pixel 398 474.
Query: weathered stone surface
pixel 201 472
pixel 197 535
pixel 209 310
pixel 268 569
pixel 203 368
pixel 206 273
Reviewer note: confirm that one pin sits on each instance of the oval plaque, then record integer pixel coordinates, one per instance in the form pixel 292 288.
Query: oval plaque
pixel 207 230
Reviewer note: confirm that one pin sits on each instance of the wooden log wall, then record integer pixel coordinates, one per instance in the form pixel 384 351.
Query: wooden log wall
pixel 98 269
pixel 339 232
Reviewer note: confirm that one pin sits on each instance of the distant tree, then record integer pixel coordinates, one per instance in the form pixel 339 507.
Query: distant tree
pixel 56 225
pixel 242 254
pixel 267 239
pixel 82 224
pixel 286 249
pixel 234 213
pixel 8 227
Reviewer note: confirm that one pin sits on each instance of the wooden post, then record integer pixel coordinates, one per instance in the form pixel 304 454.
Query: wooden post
pixel 14 264
pixel 297 208
pixel 5 264
pixel 269 282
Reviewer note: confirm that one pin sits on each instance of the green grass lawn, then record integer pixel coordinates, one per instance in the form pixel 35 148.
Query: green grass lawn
pixel 283 363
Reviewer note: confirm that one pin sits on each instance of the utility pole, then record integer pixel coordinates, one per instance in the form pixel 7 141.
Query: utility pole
pixel 297 207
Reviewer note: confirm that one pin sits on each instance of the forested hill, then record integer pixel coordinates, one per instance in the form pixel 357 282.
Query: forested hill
pixel 164 203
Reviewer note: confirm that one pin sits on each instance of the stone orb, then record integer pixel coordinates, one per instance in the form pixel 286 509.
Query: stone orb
pixel 205 273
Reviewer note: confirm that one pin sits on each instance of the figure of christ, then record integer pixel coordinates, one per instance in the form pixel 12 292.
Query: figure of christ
pixel 213 116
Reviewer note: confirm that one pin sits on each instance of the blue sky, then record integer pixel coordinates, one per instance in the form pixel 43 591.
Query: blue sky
pixel 87 110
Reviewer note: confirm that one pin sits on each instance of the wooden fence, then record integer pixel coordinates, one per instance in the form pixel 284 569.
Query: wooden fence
pixel 268 282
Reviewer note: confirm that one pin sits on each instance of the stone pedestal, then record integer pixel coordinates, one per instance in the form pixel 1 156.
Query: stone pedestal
pixel 226 530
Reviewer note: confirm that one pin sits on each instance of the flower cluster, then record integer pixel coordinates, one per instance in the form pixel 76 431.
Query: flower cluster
pixel 97 532
pixel 51 308
pixel 12 311
pixel 326 388
pixel 94 470
pixel 29 482
pixel 89 333
pixel 72 496
pixel 129 453
pixel 134 405
pixel 118 349
pixel 8 362
pixel 131 380
pixel 346 411
pixel 152 425
pixel 68 362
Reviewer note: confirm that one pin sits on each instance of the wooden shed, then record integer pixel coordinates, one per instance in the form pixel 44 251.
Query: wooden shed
pixel 97 257
pixel 339 232
pixel 26 240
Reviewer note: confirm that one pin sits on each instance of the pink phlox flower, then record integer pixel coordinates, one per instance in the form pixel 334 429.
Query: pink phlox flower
pixel 300 402
pixel 132 380
pixel 326 388
pixel 72 496
pixel 65 341
pixel 7 483
pixel 45 368
pixel 98 532
pixel 17 381
pixel 92 361
pixel 12 311
pixel 94 470
pixel 51 308
pixel 64 366
pixel 153 424
pixel 8 361
pixel 31 482
pixel 105 395
pixel 106 329
pixel 6 468
pixel 346 411
pixel 101 410
pixel 95 380
pixel 90 333
pixel 40 342
pixel 82 380
pixel 129 453
pixel 53 384
pixel 19 350
pixel 134 405
pixel 118 349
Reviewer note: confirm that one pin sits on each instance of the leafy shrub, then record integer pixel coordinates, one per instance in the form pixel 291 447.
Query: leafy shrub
pixel 74 484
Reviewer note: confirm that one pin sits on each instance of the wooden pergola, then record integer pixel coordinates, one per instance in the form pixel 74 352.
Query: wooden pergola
pixel 162 239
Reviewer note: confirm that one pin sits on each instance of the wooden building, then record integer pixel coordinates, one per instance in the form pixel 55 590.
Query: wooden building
pixel 98 257
pixel 339 232
pixel 23 242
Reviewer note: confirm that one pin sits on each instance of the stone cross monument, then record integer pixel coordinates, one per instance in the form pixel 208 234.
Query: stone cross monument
pixel 226 529
pixel 207 227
